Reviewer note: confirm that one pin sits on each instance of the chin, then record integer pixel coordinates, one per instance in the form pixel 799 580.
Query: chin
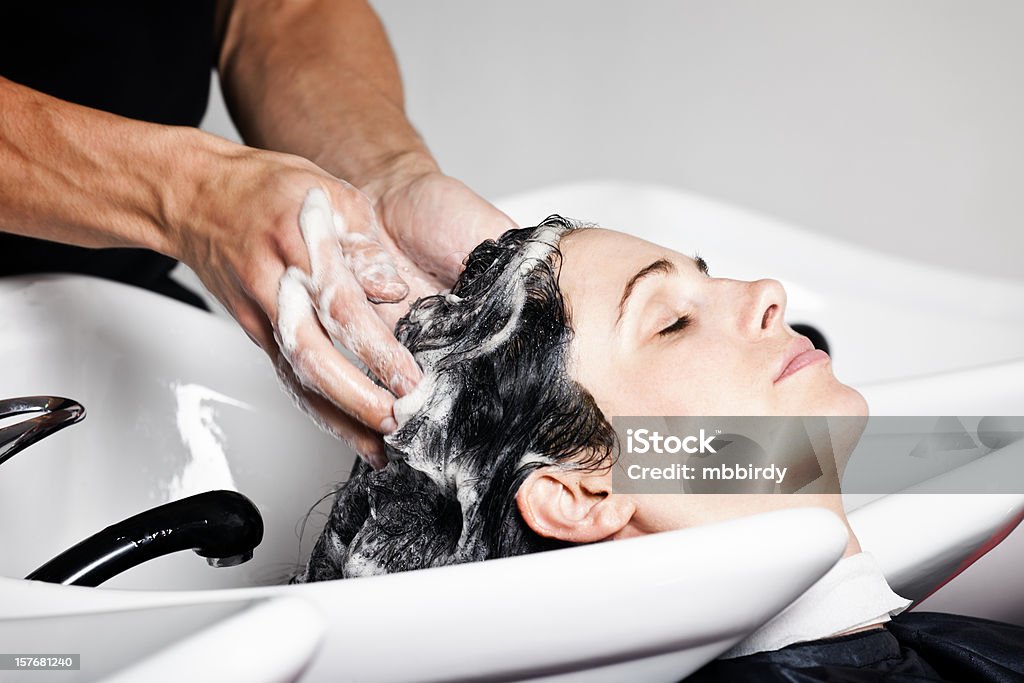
pixel 844 400
pixel 829 398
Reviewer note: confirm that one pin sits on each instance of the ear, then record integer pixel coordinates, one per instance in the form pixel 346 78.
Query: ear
pixel 573 505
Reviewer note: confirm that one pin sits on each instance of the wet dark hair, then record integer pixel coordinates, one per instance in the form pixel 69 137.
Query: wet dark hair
pixel 495 404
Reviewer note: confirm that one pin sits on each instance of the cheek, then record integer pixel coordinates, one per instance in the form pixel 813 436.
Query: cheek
pixel 689 378
pixel 721 379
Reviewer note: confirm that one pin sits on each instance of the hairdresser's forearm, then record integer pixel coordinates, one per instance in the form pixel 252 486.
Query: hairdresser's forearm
pixel 80 176
pixel 318 78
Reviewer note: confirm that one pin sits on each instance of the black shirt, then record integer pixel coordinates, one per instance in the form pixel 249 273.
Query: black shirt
pixel 144 59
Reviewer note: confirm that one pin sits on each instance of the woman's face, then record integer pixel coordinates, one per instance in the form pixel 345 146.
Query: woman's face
pixel 632 350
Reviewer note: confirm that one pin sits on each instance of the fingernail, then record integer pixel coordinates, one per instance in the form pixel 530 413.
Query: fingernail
pixel 388 425
pixel 389 294
pixel 396 290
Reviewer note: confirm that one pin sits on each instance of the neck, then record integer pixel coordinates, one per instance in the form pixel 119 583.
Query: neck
pixel 707 508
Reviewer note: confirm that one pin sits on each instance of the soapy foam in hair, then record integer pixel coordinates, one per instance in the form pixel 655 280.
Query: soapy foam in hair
pixel 495 403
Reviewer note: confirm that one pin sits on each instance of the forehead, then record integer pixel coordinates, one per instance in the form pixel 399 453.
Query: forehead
pixel 597 263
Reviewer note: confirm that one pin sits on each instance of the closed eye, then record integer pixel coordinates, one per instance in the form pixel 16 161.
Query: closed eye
pixel 702 265
pixel 678 325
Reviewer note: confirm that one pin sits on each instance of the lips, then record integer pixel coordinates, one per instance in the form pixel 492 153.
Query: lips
pixel 800 354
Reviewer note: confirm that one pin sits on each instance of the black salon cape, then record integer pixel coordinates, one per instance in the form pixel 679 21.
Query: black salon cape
pixel 914 646
pixel 143 59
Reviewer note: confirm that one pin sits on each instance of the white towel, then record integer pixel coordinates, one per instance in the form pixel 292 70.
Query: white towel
pixel 853 594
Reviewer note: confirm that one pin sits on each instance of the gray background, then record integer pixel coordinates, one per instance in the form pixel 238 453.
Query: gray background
pixel 895 125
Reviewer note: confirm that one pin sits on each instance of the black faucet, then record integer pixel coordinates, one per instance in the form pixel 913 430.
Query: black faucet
pixel 222 526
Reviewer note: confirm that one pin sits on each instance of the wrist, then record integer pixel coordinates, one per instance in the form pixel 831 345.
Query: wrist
pixel 393 172
pixel 193 183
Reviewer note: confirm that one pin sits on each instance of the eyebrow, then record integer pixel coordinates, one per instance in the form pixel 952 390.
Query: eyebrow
pixel 660 267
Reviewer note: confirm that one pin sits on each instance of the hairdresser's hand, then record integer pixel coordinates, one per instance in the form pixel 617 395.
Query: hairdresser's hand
pixel 242 236
pixel 430 223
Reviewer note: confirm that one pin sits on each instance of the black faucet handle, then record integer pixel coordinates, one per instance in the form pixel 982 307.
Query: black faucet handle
pixel 57 413
pixel 222 526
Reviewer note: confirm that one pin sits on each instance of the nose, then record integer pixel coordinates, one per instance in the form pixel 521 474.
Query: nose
pixel 766 308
